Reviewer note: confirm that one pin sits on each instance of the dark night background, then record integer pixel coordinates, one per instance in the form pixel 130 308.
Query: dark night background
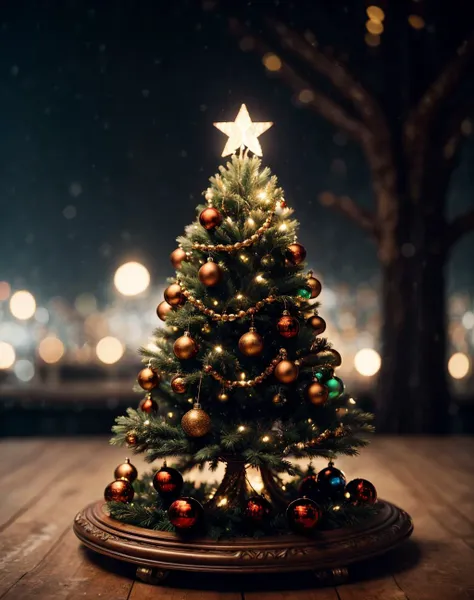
pixel 107 140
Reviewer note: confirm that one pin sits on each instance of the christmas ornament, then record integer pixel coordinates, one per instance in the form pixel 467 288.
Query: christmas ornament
pixel 243 132
pixel 185 347
pixel 324 373
pixel 173 295
pixel 148 378
pixel 317 323
pixel 210 273
pixel 360 491
pixel 288 326
pixel 335 387
pixel 303 293
pixel 185 513
pixel 178 384
pixel 177 257
pixel 233 383
pixel 329 357
pixel 257 509
pixel 251 343
pixel 119 490
pixel 210 218
pixel 303 515
pixel 295 253
pixel 309 487
pixel 148 405
pixel 168 481
pixel 314 286
pixel 196 422
pixel 331 481
pixel 163 309
pixel 267 261
pixel 317 393
pixel 126 471
pixel 223 397
pixel 286 371
pixel 131 438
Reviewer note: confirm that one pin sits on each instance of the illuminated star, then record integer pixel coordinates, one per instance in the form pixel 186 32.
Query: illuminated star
pixel 243 132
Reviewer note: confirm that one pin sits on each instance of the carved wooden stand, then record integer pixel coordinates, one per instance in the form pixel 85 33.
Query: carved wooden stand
pixel 328 554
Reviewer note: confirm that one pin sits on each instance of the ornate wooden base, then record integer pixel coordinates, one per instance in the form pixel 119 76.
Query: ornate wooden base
pixel 328 554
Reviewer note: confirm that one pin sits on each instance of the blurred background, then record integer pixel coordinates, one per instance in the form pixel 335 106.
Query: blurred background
pixel 107 143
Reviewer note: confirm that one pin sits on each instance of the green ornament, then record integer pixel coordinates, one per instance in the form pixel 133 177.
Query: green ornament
pixel 267 261
pixel 324 373
pixel 335 386
pixel 304 293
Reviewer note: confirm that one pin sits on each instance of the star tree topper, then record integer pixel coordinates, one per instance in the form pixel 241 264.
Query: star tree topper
pixel 243 132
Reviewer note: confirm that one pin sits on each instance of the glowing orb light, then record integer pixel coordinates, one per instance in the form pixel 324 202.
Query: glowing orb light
pixel 22 305
pixel 459 365
pixel 7 355
pixel 131 279
pixel 51 350
pixel 367 362
pixel 109 350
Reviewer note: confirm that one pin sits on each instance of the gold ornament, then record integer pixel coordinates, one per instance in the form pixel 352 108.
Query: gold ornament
pixel 119 491
pixel 178 384
pixel 317 393
pixel 230 384
pixel 126 471
pixel 329 357
pixel 131 439
pixel 243 132
pixel 148 378
pixel 210 218
pixel 295 253
pixel 314 285
pixel 185 347
pixel 177 257
pixel 210 273
pixel 173 295
pixel 317 323
pixel 251 343
pixel 196 422
pixel 286 371
pixel 148 405
pixel 163 309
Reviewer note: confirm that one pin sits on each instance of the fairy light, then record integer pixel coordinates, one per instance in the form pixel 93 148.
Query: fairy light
pixel 243 376
pixel 241 428
pixel 147 422
pixel 260 279
pixel 283 227
pixel 352 401
pixel 239 297
pixel 262 195
pixel 283 487
pixel 222 502
pixel 244 257
pixel 191 400
pixel 250 221
pixel 336 508
pixel 216 303
pixel 218 349
pixel 266 438
pixel 229 220
pixel 257 484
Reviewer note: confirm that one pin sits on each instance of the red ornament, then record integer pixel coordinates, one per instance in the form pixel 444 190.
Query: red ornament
pixel 119 490
pixel 148 378
pixel 148 405
pixel 178 384
pixel 210 218
pixel 185 513
pixel 257 509
pixel 303 515
pixel 177 257
pixel 168 481
pixel 295 254
pixel 288 326
pixel 360 491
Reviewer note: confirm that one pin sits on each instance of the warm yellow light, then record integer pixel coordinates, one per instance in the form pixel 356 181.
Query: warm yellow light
pixel 51 350
pixel 306 96
pixel 218 349
pixel 257 484
pixel 131 279
pixel 262 195
pixel 459 365
pixel 4 290
pixel 374 27
pixel 283 227
pixel 372 40
pixel 367 362
pixel 230 220
pixel 310 420
pixel 243 257
pixel 216 303
pixel 352 401
pixel 170 415
pixel 147 422
pixel 109 350
pixel 239 297
pixel 260 279
pixel 336 508
pixel 271 62
pixel 7 355
pixel 22 305
pixel 240 428
pixel 222 501
pixel 243 376
pixel 250 221
pixel 243 132
pixel 375 13
pixel 416 21
pixel 266 438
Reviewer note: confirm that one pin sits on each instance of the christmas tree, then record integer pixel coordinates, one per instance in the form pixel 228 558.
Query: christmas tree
pixel 240 374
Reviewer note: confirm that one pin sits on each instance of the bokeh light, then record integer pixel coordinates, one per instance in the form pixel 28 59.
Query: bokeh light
pixel 271 62
pixel 131 279
pixel 416 21
pixel 24 370
pixel 374 27
pixel 51 349
pixel 7 355
pixel 22 305
pixel 109 350
pixel 372 40
pixel 459 365
pixel 367 362
pixel 4 290
pixel 42 315
pixel 375 13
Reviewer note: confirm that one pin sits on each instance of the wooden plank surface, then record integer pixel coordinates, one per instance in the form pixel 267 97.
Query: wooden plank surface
pixel 45 482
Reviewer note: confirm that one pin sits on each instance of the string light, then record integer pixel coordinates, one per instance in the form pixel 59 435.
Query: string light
pixel 250 221
pixel 336 508
pixel 262 195
pixel 229 220
pixel 243 257
pixel 242 376
pixel 310 420
pixel 283 227
pixel 170 415
pixel 239 297
pixel 222 502
pixel 260 279
pixel 266 438
pixel 352 401
pixel 216 303
pixel 147 422
pixel 218 349
pixel 241 428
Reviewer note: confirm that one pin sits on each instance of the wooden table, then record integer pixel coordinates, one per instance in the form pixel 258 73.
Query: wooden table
pixel 45 482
